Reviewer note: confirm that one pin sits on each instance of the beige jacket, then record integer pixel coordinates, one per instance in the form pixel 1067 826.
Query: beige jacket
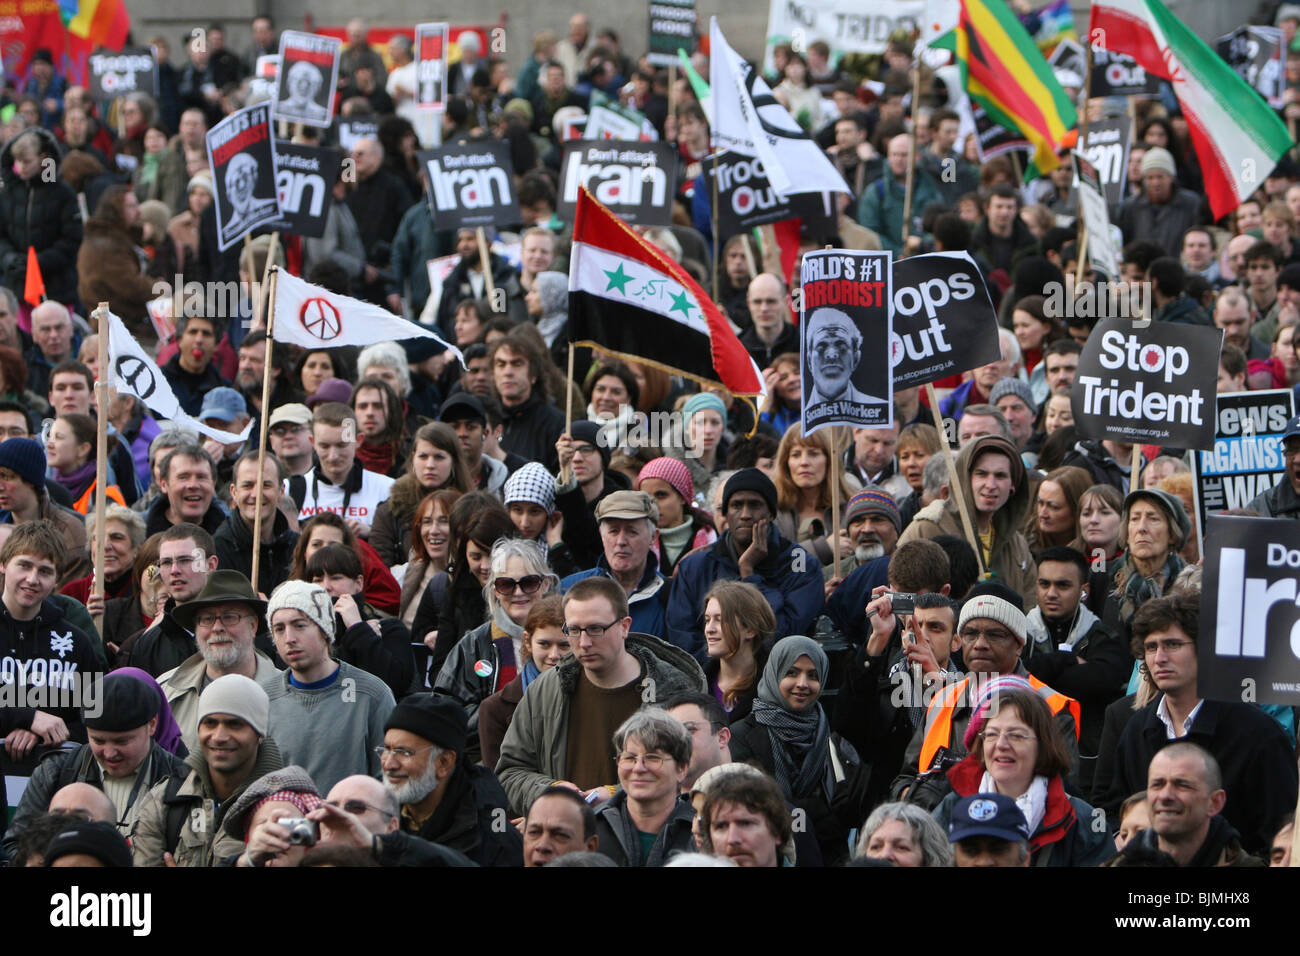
pixel 184 683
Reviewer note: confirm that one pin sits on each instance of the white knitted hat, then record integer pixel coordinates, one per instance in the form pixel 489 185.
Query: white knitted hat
pixel 995 609
pixel 312 599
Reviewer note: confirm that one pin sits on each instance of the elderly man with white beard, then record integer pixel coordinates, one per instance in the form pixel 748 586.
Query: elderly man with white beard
pixel 872 524
pixel 443 799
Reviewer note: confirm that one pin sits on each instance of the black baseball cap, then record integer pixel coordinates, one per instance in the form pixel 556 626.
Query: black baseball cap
pixel 462 406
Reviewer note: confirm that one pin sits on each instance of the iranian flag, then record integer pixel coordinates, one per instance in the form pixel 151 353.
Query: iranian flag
pixel 1237 137
pixel 627 298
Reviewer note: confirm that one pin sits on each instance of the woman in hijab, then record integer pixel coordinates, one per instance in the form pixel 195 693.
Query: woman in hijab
pixel 548 306
pixel 789 736
pixel 168 734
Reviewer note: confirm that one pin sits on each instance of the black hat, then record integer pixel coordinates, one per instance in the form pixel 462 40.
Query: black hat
pixel 126 703
pixel 422 349
pixel 461 406
pixel 93 838
pixel 750 479
pixel 987 814
pixel 437 719
pixel 589 432
pixel 223 587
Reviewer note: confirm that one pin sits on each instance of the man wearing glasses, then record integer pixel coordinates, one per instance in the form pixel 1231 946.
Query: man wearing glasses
pixel 180 818
pixel 225 617
pixel 1254 754
pixel 186 556
pixel 1283 499
pixel 561 732
pixel 445 799
pixel 320 691
pixel 992 630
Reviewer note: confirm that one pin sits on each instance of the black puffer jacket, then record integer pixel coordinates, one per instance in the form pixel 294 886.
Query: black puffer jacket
pixel 43 215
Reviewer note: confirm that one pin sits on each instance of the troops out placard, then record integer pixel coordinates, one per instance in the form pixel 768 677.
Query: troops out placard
pixel 944 322
pixel 309 74
pixel 134 70
pixel 470 185
pixel 844 339
pixel 637 182
pixel 241 154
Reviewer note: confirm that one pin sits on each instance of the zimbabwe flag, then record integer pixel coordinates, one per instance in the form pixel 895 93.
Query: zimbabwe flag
pixel 1004 71
pixel 627 298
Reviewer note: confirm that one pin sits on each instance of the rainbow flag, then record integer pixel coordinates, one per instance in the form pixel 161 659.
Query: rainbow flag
pixel 98 22
pixel 1054 23
pixel 1004 71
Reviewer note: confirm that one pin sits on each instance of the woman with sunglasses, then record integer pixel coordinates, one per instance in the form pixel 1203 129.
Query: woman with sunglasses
pixel 489 657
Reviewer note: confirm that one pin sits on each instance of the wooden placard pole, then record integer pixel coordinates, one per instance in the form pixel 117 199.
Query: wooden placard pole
pixel 103 401
pixel 485 260
pixel 713 221
pixel 954 482
pixel 911 157
pixel 1135 468
pixel 261 427
pixel 1081 236
pixel 271 250
pixel 568 415
pixel 833 469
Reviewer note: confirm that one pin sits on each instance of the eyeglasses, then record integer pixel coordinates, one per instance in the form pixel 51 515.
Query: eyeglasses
pixel 529 584
pixel 1015 738
pixel 969 635
pixel 401 753
pixel 357 807
pixel 167 563
pixel 594 631
pixel 228 619
pixel 1169 647
pixel 652 761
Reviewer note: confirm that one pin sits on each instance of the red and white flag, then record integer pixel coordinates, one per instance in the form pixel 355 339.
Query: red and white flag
pixel 315 318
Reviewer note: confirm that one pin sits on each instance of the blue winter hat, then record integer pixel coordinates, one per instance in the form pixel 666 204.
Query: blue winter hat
pixel 700 401
pixel 26 458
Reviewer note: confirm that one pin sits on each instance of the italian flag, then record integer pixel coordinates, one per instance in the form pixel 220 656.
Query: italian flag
pixel 1237 136
pixel 627 298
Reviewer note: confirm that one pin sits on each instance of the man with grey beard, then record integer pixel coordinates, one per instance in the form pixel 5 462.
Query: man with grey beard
pixel 872 524
pixel 225 618
pixel 443 799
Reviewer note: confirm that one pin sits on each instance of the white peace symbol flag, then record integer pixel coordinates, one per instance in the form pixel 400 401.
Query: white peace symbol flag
pixel 135 373
pixel 315 318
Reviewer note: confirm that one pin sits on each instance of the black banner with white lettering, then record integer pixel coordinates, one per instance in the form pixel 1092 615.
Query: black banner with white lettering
pixel 636 181
pixel 1246 650
pixel 1114 74
pixel 672 26
pixel 470 185
pixel 134 70
pixel 944 321
pixel 1153 385
pixel 241 155
pixel 1106 146
pixel 844 331
pixel 746 199
pixel 304 180
pixel 1255 53
pixel 1247 456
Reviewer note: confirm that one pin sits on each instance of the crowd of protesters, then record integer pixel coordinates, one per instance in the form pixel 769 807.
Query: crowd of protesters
pixel 483 634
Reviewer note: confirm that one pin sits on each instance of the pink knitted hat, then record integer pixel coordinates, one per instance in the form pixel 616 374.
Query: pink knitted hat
pixel 672 471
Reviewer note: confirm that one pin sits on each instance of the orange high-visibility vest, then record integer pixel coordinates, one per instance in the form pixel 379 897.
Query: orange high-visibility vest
pixel 938 717
pixel 82 504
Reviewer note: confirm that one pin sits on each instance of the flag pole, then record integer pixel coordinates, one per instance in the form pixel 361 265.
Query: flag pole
pixel 266 274
pixel 102 399
pixel 568 413
pixel 714 223
pixel 1081 236
pixel 954 482
pixel 911 157
pixel 261 426
pixel 485 261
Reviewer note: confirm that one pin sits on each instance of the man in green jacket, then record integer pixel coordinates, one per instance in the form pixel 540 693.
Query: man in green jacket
pixel 881 205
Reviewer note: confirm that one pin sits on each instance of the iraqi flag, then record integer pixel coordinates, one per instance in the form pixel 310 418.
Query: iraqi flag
pixel 627 298
pixel 315 318
pixel 1237 136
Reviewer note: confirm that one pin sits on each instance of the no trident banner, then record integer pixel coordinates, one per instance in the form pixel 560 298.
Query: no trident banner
pixel 470 185
pixel 241 155
pixel 1153 385
pixel 944 320
pixel 1249 644
pixel 844 339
